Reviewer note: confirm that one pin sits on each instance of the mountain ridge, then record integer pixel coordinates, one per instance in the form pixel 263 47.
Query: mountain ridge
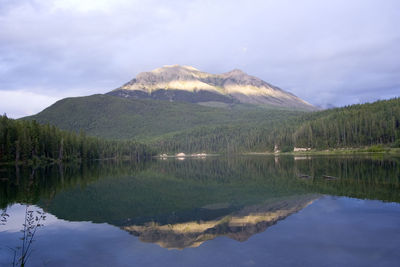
pixel 186 84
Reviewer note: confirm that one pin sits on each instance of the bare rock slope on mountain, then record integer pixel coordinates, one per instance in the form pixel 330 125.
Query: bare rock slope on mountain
pixel 188 84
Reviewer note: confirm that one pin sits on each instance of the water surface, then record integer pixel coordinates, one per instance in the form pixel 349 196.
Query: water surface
pixel 219 211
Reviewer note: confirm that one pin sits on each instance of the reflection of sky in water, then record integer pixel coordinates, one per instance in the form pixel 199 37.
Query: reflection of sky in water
pixel 333 231
pixel 17 212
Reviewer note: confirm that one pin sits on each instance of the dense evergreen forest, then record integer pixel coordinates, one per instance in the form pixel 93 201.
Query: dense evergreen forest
pixel 23 141
pixel 353 126
pixel 361 125
pixel 119 118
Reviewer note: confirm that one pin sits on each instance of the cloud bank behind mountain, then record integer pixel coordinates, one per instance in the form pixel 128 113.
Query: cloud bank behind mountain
pixel 326 52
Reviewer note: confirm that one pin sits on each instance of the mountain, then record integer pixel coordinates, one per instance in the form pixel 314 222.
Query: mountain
pixel 124 118
pixel 188 84
pixel 171 121
pixel 175 100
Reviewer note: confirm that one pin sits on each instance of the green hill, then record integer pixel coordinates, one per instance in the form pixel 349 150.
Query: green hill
pixel 142 119
pixel 188 127
pixel 351 126
pixel 362 125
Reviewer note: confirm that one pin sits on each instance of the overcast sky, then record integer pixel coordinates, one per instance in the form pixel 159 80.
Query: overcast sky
pixel 326 52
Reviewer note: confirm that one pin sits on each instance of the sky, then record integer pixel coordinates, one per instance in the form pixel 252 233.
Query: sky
pixel 327 52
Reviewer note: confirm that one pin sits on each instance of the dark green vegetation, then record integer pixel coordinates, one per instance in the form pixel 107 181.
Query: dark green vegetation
pixel 356 125
pixel 170 191
pixel 353 126
pixel 29 142
pixel 119 118
pixel 186 127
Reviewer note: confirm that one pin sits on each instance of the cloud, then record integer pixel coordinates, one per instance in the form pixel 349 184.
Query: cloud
pixel 17 104
pixel 323 51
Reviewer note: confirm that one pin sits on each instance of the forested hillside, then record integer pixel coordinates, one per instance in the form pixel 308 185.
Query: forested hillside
pixel 113 117
pixel 351 126
pixel 24 141
pixel 355 125
pixel 170 127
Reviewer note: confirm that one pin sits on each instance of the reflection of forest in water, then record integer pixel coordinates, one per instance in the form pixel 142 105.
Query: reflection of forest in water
pixel 183 203
pixel 360 177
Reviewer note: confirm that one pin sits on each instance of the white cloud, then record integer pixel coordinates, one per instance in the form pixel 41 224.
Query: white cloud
pixel 318 50
pixel 87 5
pixel 17 104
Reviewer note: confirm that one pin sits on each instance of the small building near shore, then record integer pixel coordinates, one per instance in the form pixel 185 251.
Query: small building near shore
pixel 301 149
pixel 276 149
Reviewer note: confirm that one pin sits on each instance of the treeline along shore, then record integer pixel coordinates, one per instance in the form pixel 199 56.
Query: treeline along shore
pixel 374 125
pixel 23 141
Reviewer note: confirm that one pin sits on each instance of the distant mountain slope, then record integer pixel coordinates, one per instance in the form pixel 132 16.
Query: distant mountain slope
pixel 353 126
pixel 120 118
pixel 187 84
pixel 187 127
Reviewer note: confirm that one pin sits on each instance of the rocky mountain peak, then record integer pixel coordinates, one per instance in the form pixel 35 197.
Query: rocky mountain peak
pixel 165 74
pixel 181 82
pixel 235 72
pixel 174 69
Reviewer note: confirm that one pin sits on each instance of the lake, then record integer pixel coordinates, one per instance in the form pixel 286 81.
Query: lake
pixel 214 211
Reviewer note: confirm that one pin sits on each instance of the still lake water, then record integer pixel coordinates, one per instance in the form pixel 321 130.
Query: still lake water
pixel 219 211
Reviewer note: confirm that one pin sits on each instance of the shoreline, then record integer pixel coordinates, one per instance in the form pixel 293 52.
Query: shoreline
pixel 338 151
pixel 181 156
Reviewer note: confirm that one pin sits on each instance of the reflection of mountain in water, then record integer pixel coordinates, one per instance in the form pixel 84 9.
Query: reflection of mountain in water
pixel 239 225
